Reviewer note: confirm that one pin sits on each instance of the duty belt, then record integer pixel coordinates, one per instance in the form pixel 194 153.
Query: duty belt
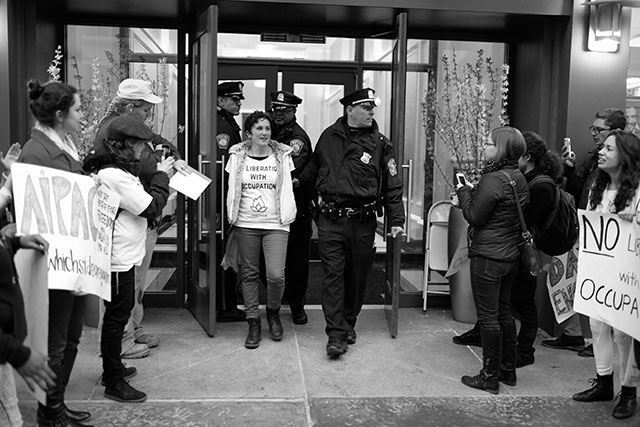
pixel 364 212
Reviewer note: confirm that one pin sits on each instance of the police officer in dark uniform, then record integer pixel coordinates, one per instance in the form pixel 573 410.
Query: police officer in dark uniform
pixel 287 131
pixel 355 174
pixel 229 101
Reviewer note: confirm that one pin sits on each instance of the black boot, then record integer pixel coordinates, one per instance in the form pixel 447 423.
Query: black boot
pixel 471 337
pixel 602 390
pixel 275 326
pixel 487 379
pixel 255 333
pixel 509 355
pixel 627 404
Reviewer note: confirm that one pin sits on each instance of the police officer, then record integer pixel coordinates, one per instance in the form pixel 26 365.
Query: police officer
pixel 229 101
pixel 287 131
pixel 354 173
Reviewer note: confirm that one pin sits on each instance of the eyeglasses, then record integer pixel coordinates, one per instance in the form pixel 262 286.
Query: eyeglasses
pixel 595 130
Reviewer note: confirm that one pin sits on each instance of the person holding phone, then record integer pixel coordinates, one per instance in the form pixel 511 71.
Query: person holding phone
pixel 494 253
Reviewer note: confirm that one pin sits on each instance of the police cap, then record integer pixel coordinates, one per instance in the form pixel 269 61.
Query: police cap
pixel 359 97
pixel 231 89
pixel 284 98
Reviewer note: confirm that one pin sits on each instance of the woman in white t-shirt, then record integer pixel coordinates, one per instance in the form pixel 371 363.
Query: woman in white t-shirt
pixel 125 139
pixel 615 190
pixel 261 205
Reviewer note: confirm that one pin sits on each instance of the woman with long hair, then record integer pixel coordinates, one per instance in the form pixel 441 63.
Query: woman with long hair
pixel 615 190
pixel 494 253
pixel 536 161
pixel 261 205
pixel 56 109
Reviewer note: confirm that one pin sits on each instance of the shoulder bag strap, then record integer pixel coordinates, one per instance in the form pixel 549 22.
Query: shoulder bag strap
pixel 512 183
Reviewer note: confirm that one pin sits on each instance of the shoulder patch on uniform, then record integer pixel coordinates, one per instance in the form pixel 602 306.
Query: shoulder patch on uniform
pixel 297 145
pixel 223 140
pixel 392 166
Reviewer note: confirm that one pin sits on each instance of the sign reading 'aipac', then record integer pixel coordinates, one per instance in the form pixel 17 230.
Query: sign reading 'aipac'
pixel 76 218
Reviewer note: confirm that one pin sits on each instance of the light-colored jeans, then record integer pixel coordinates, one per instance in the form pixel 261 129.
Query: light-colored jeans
pixel 9 411
pixel 603 353
pixel 274 245
pixel 134 329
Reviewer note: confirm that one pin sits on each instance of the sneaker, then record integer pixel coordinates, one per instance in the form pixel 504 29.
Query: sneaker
pixel 150 340
pixel 351 337
pixel 565 342
pixel 129 372
pixel 336 347
pixel 136 351
pixel 587 351
pixel 123 392
pixel 471 337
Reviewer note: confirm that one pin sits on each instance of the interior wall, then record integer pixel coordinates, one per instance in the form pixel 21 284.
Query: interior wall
pixel 596 80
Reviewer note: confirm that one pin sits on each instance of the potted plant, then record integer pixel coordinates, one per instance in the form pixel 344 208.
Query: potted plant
pixel 458 112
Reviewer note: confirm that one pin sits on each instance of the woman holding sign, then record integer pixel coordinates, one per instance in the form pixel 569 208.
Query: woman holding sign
pixel 494 253
pixel 261 206
pixel 56 108
pixel 615 190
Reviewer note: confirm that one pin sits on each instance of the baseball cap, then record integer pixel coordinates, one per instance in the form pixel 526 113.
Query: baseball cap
pixel 135 89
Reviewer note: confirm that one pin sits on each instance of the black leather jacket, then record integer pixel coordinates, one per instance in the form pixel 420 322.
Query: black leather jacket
pixel 492 214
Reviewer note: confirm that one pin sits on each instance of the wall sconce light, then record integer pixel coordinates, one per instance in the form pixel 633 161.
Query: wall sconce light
pixel 604 25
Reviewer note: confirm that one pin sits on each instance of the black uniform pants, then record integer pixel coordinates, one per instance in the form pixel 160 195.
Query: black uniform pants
pixel 346 250
pixel 297 264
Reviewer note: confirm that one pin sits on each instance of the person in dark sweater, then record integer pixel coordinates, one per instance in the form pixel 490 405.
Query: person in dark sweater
pixel 29 363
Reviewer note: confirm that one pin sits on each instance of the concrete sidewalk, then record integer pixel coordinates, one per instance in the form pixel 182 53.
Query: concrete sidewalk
pixel 412 380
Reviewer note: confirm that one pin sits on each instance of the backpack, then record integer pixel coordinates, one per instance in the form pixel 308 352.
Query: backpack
pixel 560 231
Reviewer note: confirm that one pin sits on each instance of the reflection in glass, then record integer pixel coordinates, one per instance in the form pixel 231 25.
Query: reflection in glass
pixel 250 46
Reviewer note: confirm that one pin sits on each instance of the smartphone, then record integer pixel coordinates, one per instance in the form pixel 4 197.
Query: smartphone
pixel 462 180
pixel 567 144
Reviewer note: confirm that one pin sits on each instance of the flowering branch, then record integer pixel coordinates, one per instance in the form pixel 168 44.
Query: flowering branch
pixel 461 115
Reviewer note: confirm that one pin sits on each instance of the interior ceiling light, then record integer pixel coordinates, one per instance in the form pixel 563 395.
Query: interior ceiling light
pixel 293 38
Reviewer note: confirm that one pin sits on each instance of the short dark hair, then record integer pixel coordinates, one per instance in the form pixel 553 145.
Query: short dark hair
pixel 48 98
pixel 614 118
pixel 254 118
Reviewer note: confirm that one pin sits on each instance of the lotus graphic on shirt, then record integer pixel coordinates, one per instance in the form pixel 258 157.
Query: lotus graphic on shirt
pixel 258 205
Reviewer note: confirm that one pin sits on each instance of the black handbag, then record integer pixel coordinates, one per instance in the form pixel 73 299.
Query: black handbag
pixel 529 254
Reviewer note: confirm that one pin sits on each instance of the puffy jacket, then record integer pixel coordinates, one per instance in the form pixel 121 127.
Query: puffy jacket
pixel 494 224
pixel 286 206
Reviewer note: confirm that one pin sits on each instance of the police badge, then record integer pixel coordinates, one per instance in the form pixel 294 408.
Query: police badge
pixel 365 158
pixel 223 141
pixel 297 145
pixel 393 168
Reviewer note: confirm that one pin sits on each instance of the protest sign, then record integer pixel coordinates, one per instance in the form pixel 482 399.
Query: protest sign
pixel 460 257
pixel 608 283
pixel 561 283
pixel 75 217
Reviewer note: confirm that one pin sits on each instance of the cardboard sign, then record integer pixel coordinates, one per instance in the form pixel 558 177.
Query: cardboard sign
pixel 608 283
pixel 561 283
pixel 77 220
pixel 460 257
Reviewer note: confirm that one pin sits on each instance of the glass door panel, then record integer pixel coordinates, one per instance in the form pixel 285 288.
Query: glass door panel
pixel 201 295
pixel 320 107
